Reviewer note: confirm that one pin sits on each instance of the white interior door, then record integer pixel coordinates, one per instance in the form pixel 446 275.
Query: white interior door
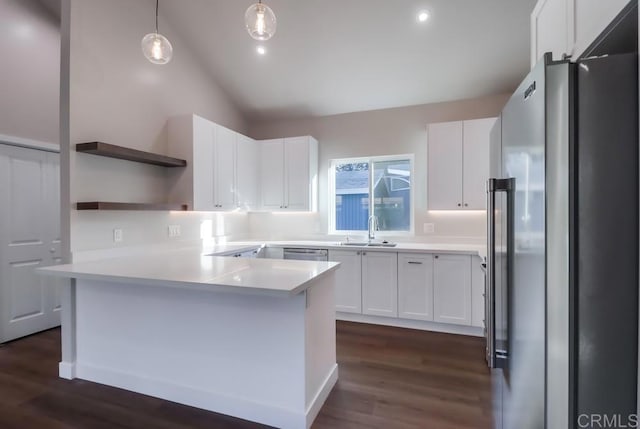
pixel 29 238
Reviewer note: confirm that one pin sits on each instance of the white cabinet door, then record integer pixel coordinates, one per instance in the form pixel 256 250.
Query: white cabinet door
pixel 224 167
pixel 272 174
pixel 348 280
pixel 445 166
pixel 415 286
pixel 477 293
pixel 452 289
pixel 29 195
pixel 247 173
pixel 569 26
pixel 475 162
pixel 296 183
pixel 551 29
pixel 380 284
pixel 592 17
pixel 203 182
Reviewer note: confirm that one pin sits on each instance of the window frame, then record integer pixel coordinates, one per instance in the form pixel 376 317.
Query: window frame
pixel 370 160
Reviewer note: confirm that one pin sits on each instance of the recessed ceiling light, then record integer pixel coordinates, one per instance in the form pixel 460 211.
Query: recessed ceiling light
pixel 261 50
pixel 423 16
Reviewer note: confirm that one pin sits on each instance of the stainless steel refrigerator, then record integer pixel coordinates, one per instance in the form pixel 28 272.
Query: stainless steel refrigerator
pixel 562 264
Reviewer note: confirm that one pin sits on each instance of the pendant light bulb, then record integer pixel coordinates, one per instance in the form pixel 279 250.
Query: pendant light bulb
pixel 155 47
pixel 260 21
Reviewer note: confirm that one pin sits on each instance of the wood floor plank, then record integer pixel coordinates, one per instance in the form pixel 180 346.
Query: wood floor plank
pixel 390 378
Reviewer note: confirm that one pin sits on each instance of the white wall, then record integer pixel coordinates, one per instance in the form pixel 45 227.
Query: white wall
pixel 381 132
pixel 30 71
pixel 119 97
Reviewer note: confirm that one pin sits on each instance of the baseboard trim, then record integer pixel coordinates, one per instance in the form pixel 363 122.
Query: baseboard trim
pixel 321 396
pixel 67 370
pixel 472 331
pixel 208 400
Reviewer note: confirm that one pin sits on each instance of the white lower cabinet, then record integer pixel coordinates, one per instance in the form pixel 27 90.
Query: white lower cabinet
pixel 380 284
pixel 477 293
pixel 442 288
pixel 452 289
pixel 415 286
pixel 348 280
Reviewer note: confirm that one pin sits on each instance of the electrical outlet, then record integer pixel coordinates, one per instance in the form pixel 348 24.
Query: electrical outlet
pixel 174 231
pixel 118 236
pixel 429 228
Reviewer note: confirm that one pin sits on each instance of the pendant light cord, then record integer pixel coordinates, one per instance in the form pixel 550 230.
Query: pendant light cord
pixel 157 4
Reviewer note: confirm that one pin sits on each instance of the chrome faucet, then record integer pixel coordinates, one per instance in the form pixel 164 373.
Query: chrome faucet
pixel 373 227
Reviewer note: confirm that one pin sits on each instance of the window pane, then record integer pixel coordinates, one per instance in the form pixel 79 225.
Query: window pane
pixel 352 196
pixel 392 194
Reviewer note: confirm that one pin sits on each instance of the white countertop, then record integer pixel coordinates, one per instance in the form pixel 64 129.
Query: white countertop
pixel 194 269
pixel 198 267
pixel 464 249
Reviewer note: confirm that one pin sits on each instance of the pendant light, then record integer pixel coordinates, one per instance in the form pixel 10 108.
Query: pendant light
pixel 260 21
pixel 156 47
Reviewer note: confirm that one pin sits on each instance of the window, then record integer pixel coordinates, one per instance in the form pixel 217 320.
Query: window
pixel 377 185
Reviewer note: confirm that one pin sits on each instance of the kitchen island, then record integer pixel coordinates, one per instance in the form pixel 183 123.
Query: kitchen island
pixel 249 338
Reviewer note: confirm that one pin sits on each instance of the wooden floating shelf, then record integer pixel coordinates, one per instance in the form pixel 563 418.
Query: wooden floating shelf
pixel 101 205
pixel 119 152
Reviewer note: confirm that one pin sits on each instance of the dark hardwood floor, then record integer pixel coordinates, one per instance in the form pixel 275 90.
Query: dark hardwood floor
pixel 389 378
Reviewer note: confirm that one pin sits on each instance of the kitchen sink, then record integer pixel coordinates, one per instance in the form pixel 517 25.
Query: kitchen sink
pixel 367 244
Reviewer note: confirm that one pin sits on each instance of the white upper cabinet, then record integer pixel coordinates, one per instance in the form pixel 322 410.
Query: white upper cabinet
pixel 224 168
pixel 458 164
pixel 569 26
pixel 210 181
pixel 247 184
pixel 272 174
pixel 289 174
pixel 552 29
pixel 475 162
pixel 445 166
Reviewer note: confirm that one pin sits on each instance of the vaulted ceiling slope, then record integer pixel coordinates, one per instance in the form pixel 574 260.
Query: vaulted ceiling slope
pixel 338 56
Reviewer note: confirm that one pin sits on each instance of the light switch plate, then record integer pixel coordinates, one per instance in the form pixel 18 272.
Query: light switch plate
pixel 118 236
pixel 429 228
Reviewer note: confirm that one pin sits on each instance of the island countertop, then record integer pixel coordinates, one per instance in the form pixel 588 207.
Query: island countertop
pixel 196 269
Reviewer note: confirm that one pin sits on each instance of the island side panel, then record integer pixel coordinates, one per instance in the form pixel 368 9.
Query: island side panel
pixel 320 334
pixel 67 366
pixel 236 354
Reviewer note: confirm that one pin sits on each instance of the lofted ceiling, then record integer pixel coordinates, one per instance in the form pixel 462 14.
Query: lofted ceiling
pixel 337 56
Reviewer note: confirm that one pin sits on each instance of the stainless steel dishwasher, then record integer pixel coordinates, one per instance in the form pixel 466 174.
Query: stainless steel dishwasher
pixel 306 254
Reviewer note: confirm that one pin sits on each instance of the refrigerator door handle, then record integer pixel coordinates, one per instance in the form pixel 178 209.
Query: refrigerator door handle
pixel 490 273
pixel 495 358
